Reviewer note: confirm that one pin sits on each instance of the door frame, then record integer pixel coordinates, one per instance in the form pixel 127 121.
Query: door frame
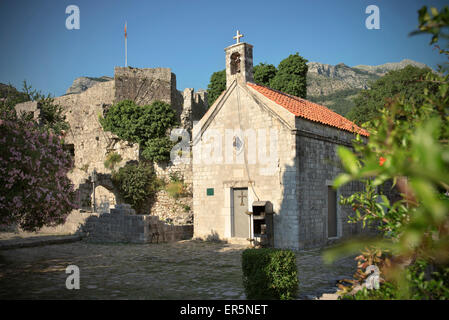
pixel 330 183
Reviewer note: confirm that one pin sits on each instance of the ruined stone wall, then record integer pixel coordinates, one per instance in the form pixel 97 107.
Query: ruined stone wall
pixel 91 143
pixel 195 106
pixel 144 86
pixel 177 211
pixel 29 107
pixel 73 224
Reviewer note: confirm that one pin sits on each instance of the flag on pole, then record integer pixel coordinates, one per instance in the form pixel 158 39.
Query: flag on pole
pixel 126 48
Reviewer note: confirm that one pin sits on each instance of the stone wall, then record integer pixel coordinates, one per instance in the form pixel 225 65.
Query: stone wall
pixel 195 106
pixel 178 211
pixel 182 170
pixel 122 225
pixel 72 225
pixel 29 107
pixel 90 142
pixel 144 86
pixel 318 166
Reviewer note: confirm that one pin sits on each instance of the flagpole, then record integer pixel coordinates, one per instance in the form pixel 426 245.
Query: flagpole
pixel 126 48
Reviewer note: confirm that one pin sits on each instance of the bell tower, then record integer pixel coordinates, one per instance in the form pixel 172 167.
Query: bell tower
pixel 239 62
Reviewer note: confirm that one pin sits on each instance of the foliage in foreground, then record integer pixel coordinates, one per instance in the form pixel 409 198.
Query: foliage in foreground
pixel 269 274
pixel 409 145
pixel 424 283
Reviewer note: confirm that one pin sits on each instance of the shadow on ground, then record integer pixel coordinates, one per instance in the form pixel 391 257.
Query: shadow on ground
pixel 189 269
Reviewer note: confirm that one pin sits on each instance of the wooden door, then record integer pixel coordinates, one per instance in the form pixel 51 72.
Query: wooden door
pixel 240 218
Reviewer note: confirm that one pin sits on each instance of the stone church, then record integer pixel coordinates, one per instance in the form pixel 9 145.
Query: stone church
pixel 264 162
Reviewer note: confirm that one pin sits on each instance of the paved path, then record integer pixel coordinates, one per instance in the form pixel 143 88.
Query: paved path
pixel 182 270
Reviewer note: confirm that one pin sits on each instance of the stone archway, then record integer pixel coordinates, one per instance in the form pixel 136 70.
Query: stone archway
pixel 104 198
pixel 106 194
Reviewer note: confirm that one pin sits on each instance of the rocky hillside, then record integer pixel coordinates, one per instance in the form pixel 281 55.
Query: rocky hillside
pixel 83 83
pixel 335 86
pixel 332 86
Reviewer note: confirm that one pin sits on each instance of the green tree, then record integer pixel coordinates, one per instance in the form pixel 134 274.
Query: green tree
pixel 263 73
pixel 216 86
pixel 291 76
pixel 9 97
pixel 408 82
pixel 146 125
pixel 51 116
pixel 157 149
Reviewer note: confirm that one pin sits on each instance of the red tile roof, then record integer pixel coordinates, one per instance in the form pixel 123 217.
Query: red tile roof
pixel 309 110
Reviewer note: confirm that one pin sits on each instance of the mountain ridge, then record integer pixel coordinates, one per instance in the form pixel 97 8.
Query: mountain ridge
pixel 334 86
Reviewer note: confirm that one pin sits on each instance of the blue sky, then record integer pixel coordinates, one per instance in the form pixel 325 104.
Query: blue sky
pixel 190 36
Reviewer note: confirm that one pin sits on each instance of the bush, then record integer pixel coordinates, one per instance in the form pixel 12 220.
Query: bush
pixel 137 184
pixel 269 274
pixel 176 189
pixel 408 144
pixel 34 188
pixel 112 159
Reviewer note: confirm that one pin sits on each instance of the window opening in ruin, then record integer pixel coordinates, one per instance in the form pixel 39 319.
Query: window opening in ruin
pixel 70 148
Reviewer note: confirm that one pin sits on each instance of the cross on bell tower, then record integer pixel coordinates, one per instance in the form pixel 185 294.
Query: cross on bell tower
pixel 239 61
pixel 238 36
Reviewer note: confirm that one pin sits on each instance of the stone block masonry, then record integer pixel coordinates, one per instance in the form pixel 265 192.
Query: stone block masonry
pixel 122 225
pixel 144 86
